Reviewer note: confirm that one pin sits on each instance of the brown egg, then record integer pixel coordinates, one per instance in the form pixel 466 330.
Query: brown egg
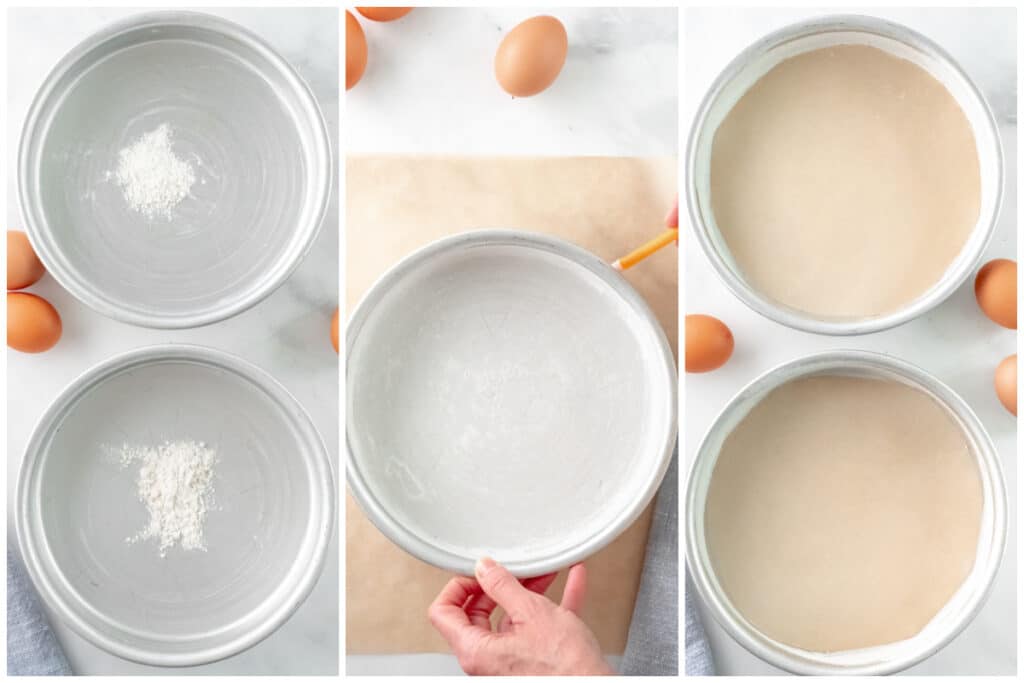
pixel 355 51
pixel 995 288
pixel 334 331
pixel 33 325
pixel 383 13
pixel 531 56
pixel 1006 383
pixel 709 343
pixel 23 266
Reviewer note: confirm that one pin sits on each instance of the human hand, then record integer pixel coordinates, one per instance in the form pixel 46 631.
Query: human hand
pixel 534 637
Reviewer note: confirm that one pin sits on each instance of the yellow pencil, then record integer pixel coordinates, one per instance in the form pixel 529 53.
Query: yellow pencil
pixel 637 255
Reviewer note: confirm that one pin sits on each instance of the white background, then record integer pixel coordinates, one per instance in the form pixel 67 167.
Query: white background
pixel 429 88
pixel 955 341
pixel 286 334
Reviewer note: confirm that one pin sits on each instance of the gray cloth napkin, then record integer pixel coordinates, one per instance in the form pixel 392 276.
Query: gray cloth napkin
pixel 698 652
pixel 32 649
pixel 653 645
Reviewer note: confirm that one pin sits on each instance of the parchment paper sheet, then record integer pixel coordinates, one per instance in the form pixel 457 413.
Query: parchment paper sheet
pixel 397 204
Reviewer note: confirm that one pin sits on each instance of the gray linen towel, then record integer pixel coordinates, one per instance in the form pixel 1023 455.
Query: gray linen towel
pixel 32 649
pixel 653 645
pixel 698 652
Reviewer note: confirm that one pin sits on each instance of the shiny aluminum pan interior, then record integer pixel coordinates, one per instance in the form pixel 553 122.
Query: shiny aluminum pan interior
pixel 237 112
pixel 266 534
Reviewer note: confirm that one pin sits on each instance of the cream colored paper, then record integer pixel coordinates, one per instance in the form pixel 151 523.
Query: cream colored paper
pixel 397 204
pixel 875 503
pixel 845 182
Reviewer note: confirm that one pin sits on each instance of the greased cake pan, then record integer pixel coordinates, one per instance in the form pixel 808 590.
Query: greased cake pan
pixel 269 523
pixel 235 113
pixel 508 394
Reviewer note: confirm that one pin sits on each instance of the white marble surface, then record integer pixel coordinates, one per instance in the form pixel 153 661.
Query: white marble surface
pixel 429 88
pixel 955 341
pixel 286 334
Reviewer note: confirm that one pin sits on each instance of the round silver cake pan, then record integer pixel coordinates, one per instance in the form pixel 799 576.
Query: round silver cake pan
pixel 267 534
pixel 424 548
pixel 238 108
pixel 965 604
pixel 755 61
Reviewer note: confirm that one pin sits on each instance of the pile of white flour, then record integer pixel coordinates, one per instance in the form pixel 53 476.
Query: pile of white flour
pixel 175 483
pixel 152 177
